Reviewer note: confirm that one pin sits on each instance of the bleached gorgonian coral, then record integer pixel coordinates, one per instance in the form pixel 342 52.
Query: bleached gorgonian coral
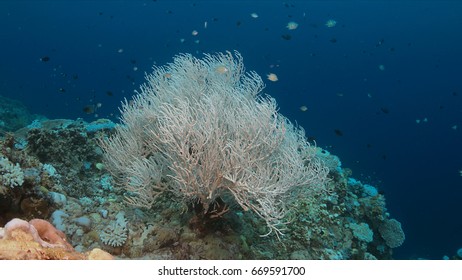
pixel 200 128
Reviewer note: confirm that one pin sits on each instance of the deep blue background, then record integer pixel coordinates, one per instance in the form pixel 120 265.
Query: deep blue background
pixel 333 71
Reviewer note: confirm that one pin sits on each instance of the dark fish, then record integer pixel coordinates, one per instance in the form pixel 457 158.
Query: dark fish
pixel 286 37
pixel 45 59
pixel 61 90
pixel 109 93
pixel 385 110
pixel 369 146
pixel 89 109
pixel 338 132
pixel 333 40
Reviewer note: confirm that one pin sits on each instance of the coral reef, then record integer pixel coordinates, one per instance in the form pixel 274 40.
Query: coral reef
pixel 73 193
pixel 25 183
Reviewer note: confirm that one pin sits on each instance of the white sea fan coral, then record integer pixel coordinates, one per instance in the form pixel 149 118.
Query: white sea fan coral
pixel 116 233
pixel 199 133
pixel 11 175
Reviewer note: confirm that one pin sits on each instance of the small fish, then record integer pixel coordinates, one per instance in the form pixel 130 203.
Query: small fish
pixel 272 77
pixel 89 109
pixel 331 23
pixel 221 69
pixel 338 132
pixel 292 25
pixel 385 110
pixel 45 59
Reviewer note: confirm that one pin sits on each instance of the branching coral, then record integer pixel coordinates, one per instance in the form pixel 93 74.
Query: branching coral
pixel 200 129
pixel 116 233
pixel 11 174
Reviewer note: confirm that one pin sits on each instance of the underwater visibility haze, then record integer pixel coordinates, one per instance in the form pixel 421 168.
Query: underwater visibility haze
pixel 133 127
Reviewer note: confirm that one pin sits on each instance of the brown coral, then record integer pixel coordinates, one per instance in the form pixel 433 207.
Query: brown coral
pixel 50 234
pixel 39 240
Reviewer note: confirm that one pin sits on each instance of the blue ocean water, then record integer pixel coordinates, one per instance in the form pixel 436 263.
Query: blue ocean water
pixel 382 88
